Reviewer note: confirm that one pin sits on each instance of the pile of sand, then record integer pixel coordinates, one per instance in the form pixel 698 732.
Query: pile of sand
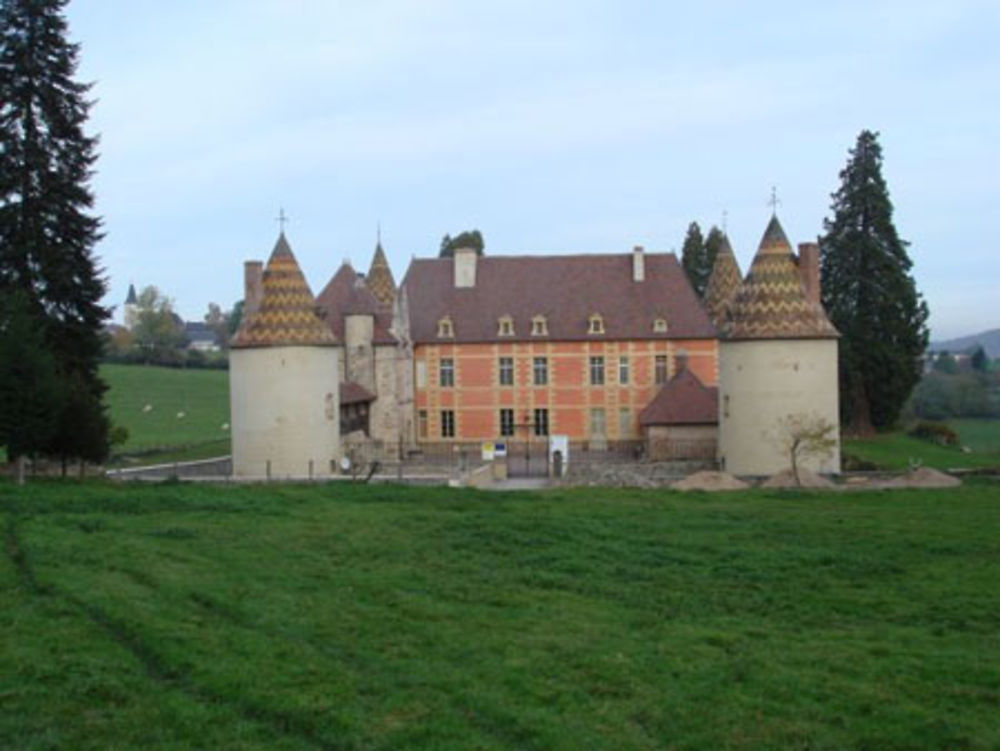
pixel 807 478
pixel 708 480
pixel 925 477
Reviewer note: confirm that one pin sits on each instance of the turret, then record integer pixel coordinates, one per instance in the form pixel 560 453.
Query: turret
pixel 284 394
pixel 777 366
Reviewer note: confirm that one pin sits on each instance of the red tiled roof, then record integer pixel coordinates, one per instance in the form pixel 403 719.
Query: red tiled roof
pixel 346 293
pixel 354 393
pixel 683 400
pixel 567 290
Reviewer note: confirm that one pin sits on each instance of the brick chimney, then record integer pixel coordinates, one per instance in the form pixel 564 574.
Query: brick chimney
pixel 809 270
pixel 253 287
pixel 638 264
pixel 464 262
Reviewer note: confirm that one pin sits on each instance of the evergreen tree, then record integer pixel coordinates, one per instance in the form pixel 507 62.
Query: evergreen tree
pixel 980 361
pixel 694 259
pixel 28 384
pixel 714 241
pixel 870 295
pixel 468 239
pixel 47 233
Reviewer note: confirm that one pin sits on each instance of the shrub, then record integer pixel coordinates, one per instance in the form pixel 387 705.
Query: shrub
pixel 935 432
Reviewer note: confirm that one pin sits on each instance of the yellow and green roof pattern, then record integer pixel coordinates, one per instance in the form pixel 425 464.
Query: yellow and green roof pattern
pixel 771 303
pixel 379 279
pixel 286 316
pixel 723 284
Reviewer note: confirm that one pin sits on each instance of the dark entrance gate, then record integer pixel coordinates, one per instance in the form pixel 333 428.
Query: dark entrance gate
pixel 527 453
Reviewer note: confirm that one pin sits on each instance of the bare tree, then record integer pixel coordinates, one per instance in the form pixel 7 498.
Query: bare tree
pixel 805 435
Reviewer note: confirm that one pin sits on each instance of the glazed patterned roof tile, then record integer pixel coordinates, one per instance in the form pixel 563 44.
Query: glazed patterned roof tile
pixel 287 315
pixel 771 303
pixel 723 284
pixel 379 280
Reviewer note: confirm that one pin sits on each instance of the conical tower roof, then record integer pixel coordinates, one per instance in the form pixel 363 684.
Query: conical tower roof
pixel 379 280
pixel 287 314
pixel 771 303
pixel 723 284
pixel 131 298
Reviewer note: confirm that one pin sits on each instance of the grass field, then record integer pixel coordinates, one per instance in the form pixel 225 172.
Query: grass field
pixel 898 450
pixel 355 617
pixel 201 395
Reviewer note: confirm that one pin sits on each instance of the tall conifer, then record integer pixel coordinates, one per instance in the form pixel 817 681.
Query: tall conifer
pixel 870 295
pixel 694 259
pixel 47 230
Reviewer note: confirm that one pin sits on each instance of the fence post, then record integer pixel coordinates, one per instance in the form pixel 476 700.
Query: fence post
pixel 269 470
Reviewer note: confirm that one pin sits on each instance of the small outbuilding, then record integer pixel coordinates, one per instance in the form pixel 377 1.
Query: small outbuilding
pixel 682 420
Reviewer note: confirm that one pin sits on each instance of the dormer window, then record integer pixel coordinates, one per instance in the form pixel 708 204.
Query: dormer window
pixel 660 326
pixel 539 326
pixel 595 324
pixel 506 326
pixel 446 330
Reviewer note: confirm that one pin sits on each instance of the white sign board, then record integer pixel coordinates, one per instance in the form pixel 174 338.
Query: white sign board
pixel 559 444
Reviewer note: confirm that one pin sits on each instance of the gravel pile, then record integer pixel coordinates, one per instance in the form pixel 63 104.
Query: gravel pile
pixel 709 480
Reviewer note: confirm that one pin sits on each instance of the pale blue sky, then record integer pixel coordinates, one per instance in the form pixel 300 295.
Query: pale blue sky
pixel 553 127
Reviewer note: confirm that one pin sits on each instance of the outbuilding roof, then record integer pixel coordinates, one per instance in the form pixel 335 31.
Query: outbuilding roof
pixel 567 290
pixel 354 393
pixel 287 314
pixel 772 303
pixel 683 400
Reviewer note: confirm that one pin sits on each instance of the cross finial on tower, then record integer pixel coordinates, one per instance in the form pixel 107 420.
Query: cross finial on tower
pixel 774 202
pixel 725 217
pixel 282 220
pixel 378 233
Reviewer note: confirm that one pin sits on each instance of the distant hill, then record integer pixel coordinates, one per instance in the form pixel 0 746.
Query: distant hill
pixel 989 339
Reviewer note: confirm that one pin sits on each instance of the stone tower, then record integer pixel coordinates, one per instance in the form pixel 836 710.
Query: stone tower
pixel 131 310
pixel 777 360
pixel 283 381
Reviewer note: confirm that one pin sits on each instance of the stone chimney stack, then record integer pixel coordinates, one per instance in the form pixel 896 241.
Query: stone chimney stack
pixel 253 287
pixel 809 270
pixel 464 262
pixel 638 264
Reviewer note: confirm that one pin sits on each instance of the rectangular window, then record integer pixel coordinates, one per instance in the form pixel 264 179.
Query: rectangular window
pixel 447 372
pixel 422 423
pixel 725 405
pixel 421 374
pixel 660 369
pixel 596 371
pixel 447 423
pixel 506 372
pixel 623 373
pixel 541 422
pixel 597 425
pixel 506 422
pixel 541 371
pixel 624 422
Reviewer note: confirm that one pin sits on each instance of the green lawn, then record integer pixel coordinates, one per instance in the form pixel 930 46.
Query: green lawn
pixel 898 450
pixel 355 617
pixel 159 433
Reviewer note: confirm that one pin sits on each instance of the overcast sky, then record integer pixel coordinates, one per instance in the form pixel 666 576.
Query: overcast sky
pixel 553 127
